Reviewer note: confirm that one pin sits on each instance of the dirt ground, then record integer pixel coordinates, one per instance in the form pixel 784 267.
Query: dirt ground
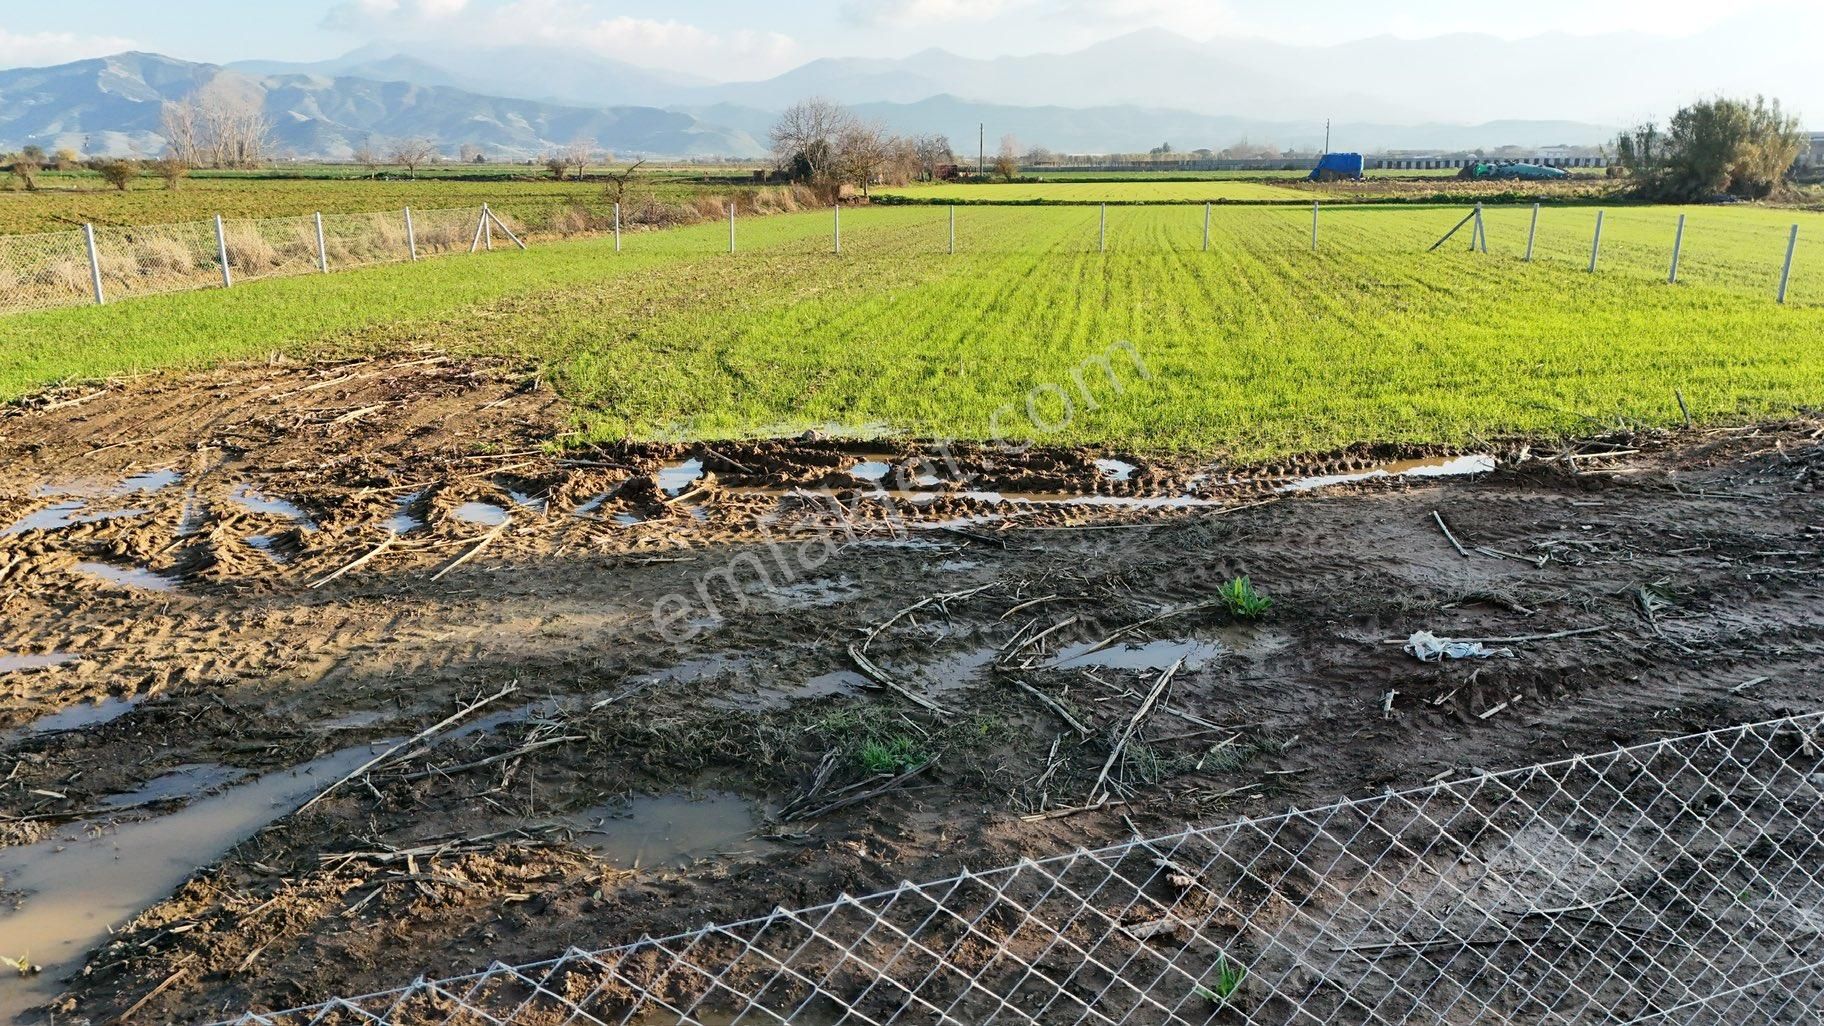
pixel 635 689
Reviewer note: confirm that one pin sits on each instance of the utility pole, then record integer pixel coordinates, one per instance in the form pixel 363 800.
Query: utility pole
pixel 981 159
pixel 1326 135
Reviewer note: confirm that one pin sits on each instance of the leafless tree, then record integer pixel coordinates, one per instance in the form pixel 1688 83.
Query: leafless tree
pixel 577 156
pixel 473 154
pixel 620 181
pixel 863 150
pixel 172 170
pixel 413 154
pixel 233 128
pixel 367 154
pixel 933 152
pixel 118 173
pixel 1007 161
pixel 182 132
pixel 805 139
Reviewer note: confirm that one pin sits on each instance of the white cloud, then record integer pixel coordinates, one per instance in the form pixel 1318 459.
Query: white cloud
pixel 576 24
pixel 921 13
pixel 35 49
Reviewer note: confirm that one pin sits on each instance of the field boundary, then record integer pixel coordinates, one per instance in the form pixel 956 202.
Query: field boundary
pixel 1676 880
pixel 104 264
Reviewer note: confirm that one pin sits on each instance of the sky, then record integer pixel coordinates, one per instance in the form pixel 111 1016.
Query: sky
pixel 730 40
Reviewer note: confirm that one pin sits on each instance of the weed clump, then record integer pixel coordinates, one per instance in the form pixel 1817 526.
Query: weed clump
pixel 1242 601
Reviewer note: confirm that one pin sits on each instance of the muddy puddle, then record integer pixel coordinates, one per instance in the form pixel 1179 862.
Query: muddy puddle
pixel 676 479
pixel 60 515
pixel 74 889
pixel 77 717
pixel 404 520
pixel 647 831
pixel 18 662
pixel 185 782
pixel 256 502
pixel 1449 466
pixel 484 514
pixel 1150 655
pixel 134 578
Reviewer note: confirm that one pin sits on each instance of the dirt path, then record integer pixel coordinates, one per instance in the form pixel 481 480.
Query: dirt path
pixel 278 567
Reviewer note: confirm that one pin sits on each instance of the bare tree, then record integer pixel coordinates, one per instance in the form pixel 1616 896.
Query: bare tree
pixel 933 153
pixel 172 170
pixel 862 150
pixel 233 127
pixel 1007 161
pixel 620 181
pixel 181 129
pixel 118 173
pixel 578 154
pixel 473 154
pixel 367 154
pixel 805 139
pixel 413 154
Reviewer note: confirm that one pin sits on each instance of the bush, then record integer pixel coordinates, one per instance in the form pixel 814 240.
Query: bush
pixel 118 173
pixel 1719 146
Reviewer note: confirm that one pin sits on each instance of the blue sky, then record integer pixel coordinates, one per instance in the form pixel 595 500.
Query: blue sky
pixel 725 39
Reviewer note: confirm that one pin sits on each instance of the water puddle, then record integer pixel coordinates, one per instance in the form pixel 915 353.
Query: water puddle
pixel 403 520
pixel 1116 470
pixel 184 782
pixel 815 594
pixel 76 886
pixel 485 514
pixel 19 662
pixel 536 503
pixel 678 477
pixel 829 685
pixel 872 471
pixel 149 481
pixel 948 673
pixel 132 577
pixel 254 501
pixel 1453 466
pixel 271 544
pixel 671 830
pixel 79 716
pixel 1150 655
pixel 60 515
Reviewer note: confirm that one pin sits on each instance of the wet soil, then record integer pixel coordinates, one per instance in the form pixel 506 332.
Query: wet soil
pixel 685 683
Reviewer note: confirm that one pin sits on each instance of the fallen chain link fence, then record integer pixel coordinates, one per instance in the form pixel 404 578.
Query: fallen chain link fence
pixel 104 264
pixel 1676 882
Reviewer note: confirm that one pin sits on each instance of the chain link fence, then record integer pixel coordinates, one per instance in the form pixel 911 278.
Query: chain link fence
pixel 61 269
pixel 1678 882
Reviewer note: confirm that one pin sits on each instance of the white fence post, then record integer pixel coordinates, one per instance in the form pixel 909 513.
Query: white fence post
pixel 838 227
pixel 322 246
pixel 1792 245
pixel 487 227
pixel 952 229
pixel 480 225
pixel 1532 234
pixel 221 252
pixel 1315 204
pixel 1678 245
pixel 617 227
pixel 411 235
pixel 731 227
pixel 1596 243
pixel 1206 227
pixel 88 234
pixel 1102 230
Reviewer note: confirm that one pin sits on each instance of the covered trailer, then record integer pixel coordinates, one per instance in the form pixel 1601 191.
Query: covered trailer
pixel 1336 167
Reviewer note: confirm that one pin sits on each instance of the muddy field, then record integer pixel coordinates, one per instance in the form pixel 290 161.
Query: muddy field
pixel 532 697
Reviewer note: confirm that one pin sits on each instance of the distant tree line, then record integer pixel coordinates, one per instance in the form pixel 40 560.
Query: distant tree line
pixel 827 146
pixel 1719 147
pixel 217 127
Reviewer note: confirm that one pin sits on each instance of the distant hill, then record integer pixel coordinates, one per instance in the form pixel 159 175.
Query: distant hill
pixel 111 105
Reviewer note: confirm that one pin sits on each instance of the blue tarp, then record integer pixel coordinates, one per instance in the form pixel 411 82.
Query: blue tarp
pixel 1339 165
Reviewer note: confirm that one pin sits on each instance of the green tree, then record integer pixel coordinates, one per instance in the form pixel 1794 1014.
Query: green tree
pixel 1719 146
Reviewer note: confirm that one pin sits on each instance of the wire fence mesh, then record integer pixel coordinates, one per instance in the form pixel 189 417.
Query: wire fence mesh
pixel 1678 882
pixel 46 271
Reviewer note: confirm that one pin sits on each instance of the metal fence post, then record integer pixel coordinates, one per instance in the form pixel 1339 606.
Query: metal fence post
pixel 487 227
pixel 731 227
pixel 411 235
pixel 88 235
pixel 617 227
pixel 1532 234
pixel 1596 243
pixel 1792 245
pixel 838 227
pixel 1678 245
pixel 1315 204
pixel 953 229
pixel 221 252
pixel 481 225
pixel 1102 231
pixel 1206 227
pixel 322 246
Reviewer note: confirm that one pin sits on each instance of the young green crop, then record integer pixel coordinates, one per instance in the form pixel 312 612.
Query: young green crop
pixel 1259 347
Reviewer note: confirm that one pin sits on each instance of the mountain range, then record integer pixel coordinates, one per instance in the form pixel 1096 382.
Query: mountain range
pixel 1130 93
